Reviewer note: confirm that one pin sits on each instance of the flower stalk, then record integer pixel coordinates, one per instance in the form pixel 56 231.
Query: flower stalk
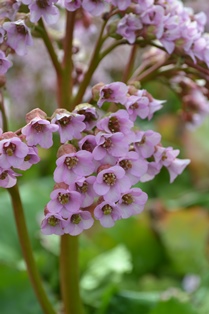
pixel 27 251
pixel 69 275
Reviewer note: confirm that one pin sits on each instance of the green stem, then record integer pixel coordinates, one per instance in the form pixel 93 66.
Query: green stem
pixel 130 65
pixel 2 109
pixel 112 47
pixel 69 274
pixel 66 83
pixel 47 41
pixel 95 60
pixel 27 251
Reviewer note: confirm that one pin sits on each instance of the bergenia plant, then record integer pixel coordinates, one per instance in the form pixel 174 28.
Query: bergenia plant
pixel 103 151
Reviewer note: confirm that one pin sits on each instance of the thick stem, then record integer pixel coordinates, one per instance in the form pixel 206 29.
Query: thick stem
pixel 49 47
pixel 27 251
pixel 2 109
pixel 67 82
pixel 95 59
pixel 69 275
pixel 130 65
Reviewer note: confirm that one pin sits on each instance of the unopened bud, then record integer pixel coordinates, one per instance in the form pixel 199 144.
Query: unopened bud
pixel 60 185
pixel 35 113
pixel 96 91
pixel 103 167
pixel 66 149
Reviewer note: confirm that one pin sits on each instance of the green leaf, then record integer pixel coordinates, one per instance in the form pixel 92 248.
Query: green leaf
pixel 173 306
pixel 111 264
pixel 133 302
pixel 16 294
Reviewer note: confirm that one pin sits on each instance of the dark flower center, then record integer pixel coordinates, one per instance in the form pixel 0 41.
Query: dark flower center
pixel 114 125
pixel 38 127
pixel 134 106
pixel 76 218
pixel 21 29
pixel 3 175
pixel 52 221
pixel 125 164
pixel 83 188
pixel 164 157
pixel 107 93
pixel 27 158
pixel 107 144
pixel 109 178
pixel 89 116
pixel 43 4
pixel 143 140
pixel 107 209
pixel 64 121
pixel 127 199
pixel 71 162
pixel 9 150
pixel 87 146
pixel 63 198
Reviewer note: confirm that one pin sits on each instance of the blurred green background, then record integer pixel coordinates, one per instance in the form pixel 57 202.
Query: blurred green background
pixel 154 263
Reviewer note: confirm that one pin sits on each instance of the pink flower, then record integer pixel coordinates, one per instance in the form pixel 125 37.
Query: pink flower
pixel 114 92
pixel 120 4
pixel 12 152
pixel 78 222
pixel 134 166
pixel 177 167
pixel 85 188
pixel 7 178
pixel 88 143
pixel 165 156
pixel 53 224
pixel 18 36
pixel 107 213
pixel 109 146
pixel 64 202
pixel 5 64
pixel 72 5
pixel 132 202
pixel 93 7
pixel 71 167
pixel 145 142
pixel 70 125
pixel 39 131
pixel 45 9
pixel 30 159
pixel 8 9
pixel 90 113
pixel 110 183
pixel 137 106
pixel 129 27
pixel 153 169
pixel 116 122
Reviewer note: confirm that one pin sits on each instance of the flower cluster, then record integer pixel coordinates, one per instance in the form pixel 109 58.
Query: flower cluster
pixel 175 27
pixel 194 96
pixel 102 158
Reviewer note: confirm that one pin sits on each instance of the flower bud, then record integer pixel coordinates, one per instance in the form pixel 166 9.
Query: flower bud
pixel 66 149
pixel 103 167
pixel 34 114
pixel 96 91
